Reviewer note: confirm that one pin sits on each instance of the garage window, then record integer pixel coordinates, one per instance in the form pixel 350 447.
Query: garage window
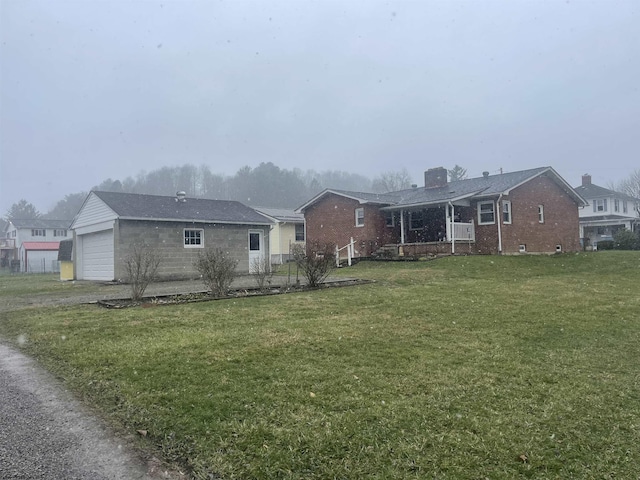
pixel 193 238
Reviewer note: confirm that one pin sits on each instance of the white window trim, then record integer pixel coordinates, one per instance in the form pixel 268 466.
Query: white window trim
pixel 540 213
pixel 506 203
pixel 358 218
pixel 493 211
pixel 184 232
pixel 601 201
pixel 393 220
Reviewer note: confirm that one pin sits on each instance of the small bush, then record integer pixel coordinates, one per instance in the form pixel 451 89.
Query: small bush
pixel 625 240
pixel 141 266
pixel 605 245
pixel 262 272
pixel 217 270
pixel 316 262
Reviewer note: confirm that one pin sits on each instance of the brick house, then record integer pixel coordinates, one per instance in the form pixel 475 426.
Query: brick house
pixel 530 211
pixel 109 224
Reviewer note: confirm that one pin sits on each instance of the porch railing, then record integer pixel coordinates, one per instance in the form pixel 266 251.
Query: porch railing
pixel 7 243
pixel 350 252
pixel 464 231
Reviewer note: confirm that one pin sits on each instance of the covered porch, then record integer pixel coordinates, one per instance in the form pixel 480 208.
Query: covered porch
pixel 440 229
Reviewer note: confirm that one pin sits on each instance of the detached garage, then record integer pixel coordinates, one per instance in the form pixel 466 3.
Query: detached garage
pixel 39 257
pixel 110 224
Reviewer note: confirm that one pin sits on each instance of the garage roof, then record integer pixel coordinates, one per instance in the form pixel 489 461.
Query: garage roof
pixel 132 206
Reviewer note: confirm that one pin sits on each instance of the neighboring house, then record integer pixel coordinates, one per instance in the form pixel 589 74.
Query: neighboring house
pixel 31 245
pixel 287 231
pixel 530 211
pixel 607 212
pixel 110 224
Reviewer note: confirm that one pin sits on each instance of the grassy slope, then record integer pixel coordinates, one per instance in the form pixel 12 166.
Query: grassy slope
pixel 446 369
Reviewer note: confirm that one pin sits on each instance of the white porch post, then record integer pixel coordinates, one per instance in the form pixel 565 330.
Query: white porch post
pixel 453 228
pixel 402 227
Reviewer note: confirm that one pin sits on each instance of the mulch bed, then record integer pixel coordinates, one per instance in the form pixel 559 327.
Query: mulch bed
pixel 175 299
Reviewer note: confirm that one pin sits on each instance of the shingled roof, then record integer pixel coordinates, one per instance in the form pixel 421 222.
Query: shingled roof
pixel 132 206
pixel 480 187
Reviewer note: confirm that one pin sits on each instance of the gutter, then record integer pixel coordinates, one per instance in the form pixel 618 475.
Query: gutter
pixel 499 219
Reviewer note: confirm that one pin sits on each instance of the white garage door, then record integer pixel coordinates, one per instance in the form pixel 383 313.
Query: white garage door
pixel 97 256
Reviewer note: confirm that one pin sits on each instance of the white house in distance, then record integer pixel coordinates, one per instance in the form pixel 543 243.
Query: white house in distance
pixel 607 212
pixel 287 230
pixel 33 244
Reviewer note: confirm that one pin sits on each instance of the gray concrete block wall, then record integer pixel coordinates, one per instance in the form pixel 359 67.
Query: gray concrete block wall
pixel 167 240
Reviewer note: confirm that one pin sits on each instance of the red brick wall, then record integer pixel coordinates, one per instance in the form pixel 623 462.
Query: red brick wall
pixel 333 220
pixel 560 227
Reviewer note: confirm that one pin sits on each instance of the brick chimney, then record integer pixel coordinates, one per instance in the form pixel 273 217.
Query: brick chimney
pixel 435 177
pixel 586 180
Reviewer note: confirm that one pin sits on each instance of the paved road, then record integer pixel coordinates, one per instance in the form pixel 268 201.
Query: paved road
pixel 46 434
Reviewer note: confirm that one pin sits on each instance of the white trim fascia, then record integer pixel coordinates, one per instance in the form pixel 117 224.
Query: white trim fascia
pixel 191 220
pixel 443 201
pixel 327 191
pixel 96 227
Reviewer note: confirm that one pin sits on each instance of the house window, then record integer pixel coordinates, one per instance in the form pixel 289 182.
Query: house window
pixel 389 220
pixel 59 233
pixel 486 213
pixel 541 213
pixel 299 232
pixel 359 217
pixel 600 205
pixel 193 238
pixel 416 220
pixel 625 209
pixel 506 211
pixel 38 232
pixel 616 205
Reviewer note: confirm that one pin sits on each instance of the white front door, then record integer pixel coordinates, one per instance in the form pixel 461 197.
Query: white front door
pixel 256 250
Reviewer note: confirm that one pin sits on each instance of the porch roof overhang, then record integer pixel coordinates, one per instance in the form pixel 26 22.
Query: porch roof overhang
pixel 603 220
pixel 458 201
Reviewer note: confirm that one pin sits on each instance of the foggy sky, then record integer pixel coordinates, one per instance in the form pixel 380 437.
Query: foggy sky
pixel 97 89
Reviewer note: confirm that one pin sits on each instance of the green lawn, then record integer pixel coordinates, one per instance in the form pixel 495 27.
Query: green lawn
pixel 460 368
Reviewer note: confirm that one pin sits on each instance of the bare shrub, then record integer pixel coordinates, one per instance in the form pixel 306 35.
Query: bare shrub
pixel 316 261
pixel 217 270
pixel 262 272
pixel 141 266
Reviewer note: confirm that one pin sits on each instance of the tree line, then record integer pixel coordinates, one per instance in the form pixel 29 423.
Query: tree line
pixel 266 185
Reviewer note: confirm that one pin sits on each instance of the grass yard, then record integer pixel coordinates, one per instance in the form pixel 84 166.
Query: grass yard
pixel 460 368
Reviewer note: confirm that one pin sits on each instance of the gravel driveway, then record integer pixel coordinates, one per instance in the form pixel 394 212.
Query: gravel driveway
pixel 47 434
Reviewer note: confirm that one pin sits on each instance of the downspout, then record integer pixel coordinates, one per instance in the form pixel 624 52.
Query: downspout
pixel 499 219
pixel 453 231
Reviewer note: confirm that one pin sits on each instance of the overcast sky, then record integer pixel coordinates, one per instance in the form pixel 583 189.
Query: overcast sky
pixel 92 90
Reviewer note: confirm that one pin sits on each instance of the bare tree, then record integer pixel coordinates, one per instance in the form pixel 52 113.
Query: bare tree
pixel 141 266
pixel 316 262
pixel 262 271
pixel 392 181
pixel 217 269
pixel 630 186
pixel 457 173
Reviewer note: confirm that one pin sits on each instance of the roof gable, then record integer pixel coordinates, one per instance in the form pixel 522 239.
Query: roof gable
pixel 133 206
